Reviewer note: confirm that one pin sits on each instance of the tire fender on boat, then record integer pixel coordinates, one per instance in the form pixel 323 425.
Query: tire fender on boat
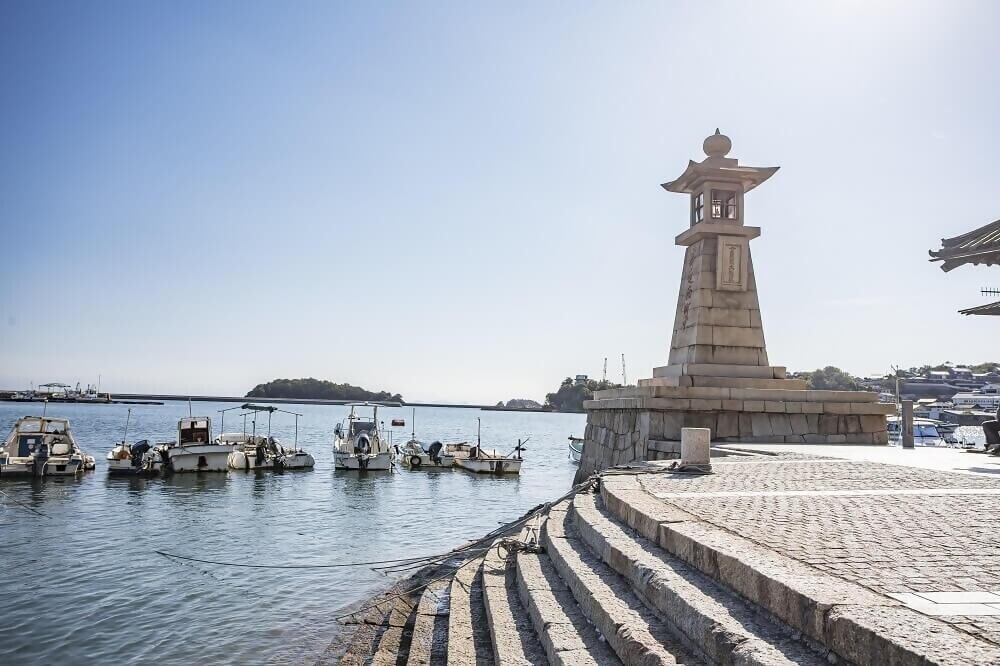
pixel 414 461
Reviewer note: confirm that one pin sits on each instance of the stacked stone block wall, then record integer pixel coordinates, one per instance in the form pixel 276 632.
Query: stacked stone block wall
pixel 619 436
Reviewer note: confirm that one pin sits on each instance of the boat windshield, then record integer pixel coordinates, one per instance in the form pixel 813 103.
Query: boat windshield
pixel 30 425
pixel 362 426
pixel 926 430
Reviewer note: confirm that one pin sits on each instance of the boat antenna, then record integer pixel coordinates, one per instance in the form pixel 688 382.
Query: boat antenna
pixel 190 414
pixel 296 432
pixel 479 433
pixel 413 423
pixel 127 418
pixel 45 406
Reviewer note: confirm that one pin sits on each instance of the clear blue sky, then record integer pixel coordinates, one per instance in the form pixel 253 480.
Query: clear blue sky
pixel 460 201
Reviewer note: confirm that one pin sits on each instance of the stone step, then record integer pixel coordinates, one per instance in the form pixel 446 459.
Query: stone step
pixel 561 627
pixel 511 631
pixel 721 370
pixel 429 640
pixel 631 629
pixel 710 619
pixel 468 629
pixel 855 623
pixel 390 642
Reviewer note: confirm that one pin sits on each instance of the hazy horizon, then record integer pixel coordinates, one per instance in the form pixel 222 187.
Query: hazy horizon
pixel 461 203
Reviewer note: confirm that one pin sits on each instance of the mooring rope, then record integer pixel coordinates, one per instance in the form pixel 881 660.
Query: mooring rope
pixel 402 563
pixel 289 566
pixel 25 506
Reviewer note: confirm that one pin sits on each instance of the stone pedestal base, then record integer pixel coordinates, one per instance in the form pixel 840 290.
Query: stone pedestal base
pixel 645 422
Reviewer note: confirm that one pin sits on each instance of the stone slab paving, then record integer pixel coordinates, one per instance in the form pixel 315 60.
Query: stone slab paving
pixel 927 538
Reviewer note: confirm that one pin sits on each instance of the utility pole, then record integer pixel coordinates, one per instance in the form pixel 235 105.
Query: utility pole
pixel 604 376
pixel 624 376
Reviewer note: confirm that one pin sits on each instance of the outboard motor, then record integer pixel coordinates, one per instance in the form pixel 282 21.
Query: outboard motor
pixel 435 452
pixel 138 450
pixel 40 459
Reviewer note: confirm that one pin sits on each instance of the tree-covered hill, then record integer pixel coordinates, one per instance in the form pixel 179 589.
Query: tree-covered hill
pixel 570 396
pixel 318 389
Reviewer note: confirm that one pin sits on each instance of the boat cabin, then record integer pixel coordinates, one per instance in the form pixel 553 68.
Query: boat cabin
pixel 194 430
pixel 32 434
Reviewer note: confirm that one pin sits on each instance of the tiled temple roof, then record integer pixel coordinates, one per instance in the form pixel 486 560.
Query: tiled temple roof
pixel 988 309
pixel 980 246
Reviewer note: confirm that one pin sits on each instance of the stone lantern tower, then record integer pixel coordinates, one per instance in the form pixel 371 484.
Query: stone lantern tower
pixel 717 328
pixel 717 374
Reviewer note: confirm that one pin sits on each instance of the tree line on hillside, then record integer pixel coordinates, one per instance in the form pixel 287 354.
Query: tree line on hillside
pixel 318 389
pixel 571 394
pixel 976 368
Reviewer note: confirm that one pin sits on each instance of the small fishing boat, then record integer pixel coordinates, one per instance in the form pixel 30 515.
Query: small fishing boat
pixel 258 452
pixel 42 446
pixel 421 455
pixel 194 450
pixel 138 459
pixel 358 442
pixel 487 461
pixel 575 449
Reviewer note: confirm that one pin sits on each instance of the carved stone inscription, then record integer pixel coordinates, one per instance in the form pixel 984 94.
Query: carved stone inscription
pixel 731 263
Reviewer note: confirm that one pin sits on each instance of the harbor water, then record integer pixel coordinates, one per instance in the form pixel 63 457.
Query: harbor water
pixel 84 584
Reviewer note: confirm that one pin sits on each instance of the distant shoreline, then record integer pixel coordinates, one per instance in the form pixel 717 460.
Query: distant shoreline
pixel 303 401
pixel 159 398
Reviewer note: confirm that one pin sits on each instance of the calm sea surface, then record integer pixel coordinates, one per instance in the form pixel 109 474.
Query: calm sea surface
pixel 83 585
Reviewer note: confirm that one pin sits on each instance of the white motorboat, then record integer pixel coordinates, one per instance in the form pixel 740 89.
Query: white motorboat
pixel 575 449
pixel 925 433
pixel 420 455
pixel 194 450
pixel 138 459
pixel 487 461
pixel 42 446
pixel 258 452
pixel 359 444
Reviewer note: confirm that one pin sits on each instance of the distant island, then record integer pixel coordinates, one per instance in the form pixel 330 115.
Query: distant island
pixel 319 389
pixel 519 403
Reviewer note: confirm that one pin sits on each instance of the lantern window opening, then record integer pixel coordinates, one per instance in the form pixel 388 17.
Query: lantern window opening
pixel 698 208
pixel 723 205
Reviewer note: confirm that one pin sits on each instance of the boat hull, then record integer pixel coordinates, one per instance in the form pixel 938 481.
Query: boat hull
pixel 199 458
pixel 379 462
pixel 423 461
pixel 247 460
pixel 126 468
pixel 54 466
pixel 490 465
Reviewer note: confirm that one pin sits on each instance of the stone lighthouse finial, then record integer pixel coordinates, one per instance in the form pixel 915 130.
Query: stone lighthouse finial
pixel 717 145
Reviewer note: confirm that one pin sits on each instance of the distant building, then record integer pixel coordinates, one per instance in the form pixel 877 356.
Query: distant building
pixel 986 401
pixel 581 380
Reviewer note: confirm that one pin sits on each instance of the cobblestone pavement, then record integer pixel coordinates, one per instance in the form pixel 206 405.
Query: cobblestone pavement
pixel 895 530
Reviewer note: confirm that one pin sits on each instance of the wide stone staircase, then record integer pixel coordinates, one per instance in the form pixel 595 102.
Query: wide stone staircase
pixel 578 585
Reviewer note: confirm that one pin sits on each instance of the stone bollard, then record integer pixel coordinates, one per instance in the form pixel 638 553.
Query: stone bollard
pixel 906 425
pixel 695 446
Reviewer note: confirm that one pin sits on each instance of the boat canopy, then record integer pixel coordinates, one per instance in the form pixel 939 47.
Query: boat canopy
pixel 259 408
